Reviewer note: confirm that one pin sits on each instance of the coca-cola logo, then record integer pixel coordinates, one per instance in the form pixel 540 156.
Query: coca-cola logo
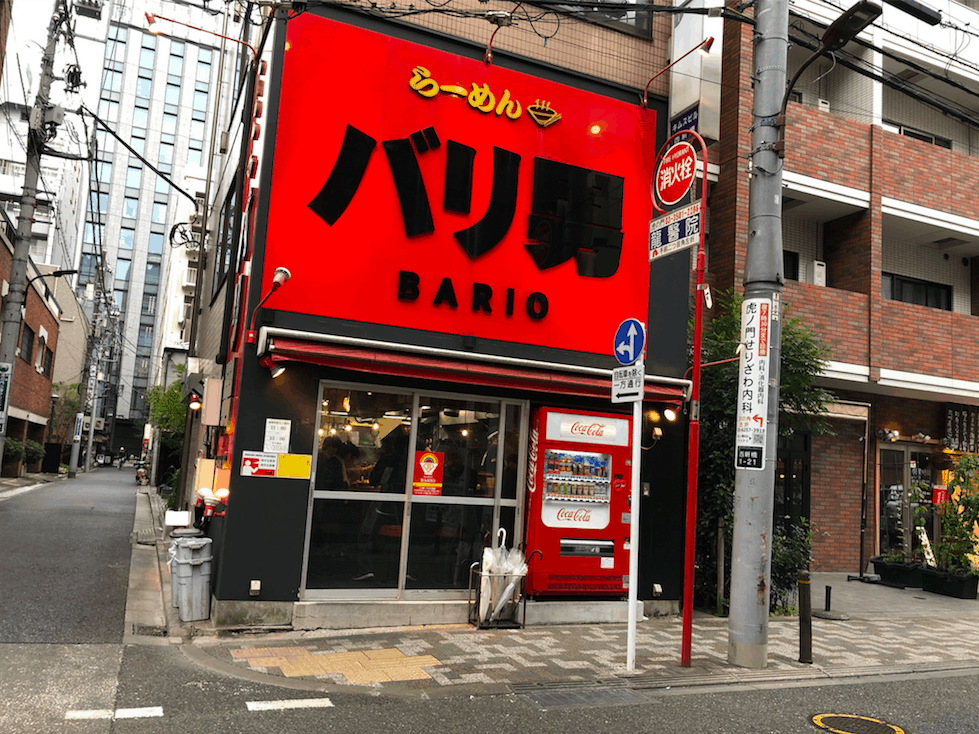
pixel 574 515
pixel 532 461
pixel 595 430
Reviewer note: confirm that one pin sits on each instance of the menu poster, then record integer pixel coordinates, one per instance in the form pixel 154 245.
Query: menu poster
pixel 962 427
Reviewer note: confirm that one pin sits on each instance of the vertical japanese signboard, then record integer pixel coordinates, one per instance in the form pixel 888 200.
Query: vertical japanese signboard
pixel 756 319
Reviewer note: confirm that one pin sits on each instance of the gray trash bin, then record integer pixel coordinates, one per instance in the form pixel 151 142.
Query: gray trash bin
pixel 175 535
pixel 190 574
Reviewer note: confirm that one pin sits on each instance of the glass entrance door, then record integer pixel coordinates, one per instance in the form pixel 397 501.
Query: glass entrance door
pixel 408 488
pixel 906 481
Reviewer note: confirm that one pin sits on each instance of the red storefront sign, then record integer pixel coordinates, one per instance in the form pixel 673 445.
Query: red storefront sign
pixel 415 188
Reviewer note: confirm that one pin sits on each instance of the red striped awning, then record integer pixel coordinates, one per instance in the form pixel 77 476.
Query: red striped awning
pixel 428 367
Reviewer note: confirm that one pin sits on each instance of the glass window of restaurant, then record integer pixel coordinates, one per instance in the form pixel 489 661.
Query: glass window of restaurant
pixel 407 489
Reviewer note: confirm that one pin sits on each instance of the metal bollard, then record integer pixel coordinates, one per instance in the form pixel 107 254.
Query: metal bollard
pixel 829 595
pixel 805 619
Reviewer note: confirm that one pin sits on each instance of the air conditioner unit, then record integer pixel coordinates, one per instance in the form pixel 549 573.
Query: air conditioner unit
pixel 818 272
pixel 823 105
pixel 99 424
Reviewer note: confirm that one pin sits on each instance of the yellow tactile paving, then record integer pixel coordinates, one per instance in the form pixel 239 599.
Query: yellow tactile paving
pixel 368 666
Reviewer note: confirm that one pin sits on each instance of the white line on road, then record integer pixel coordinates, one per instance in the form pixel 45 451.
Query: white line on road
pixel 141 713
pixel 22 490
pixel 296 703
pixel 91 714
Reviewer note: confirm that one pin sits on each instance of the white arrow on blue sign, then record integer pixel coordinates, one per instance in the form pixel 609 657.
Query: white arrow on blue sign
pixel 630 338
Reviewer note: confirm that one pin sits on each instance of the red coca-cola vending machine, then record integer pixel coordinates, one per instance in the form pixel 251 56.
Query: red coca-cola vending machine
pixel 578 485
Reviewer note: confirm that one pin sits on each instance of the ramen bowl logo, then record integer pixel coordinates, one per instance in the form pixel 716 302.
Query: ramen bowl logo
pixel 429 463
pixel 579 515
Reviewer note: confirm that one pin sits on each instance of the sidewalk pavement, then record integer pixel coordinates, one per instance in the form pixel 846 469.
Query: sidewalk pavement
pixel 886 631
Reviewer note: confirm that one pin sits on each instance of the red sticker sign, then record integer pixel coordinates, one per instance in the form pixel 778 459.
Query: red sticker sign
pixel 675 173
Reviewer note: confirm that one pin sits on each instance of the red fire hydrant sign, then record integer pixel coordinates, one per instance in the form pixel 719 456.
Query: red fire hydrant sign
pixel 675 173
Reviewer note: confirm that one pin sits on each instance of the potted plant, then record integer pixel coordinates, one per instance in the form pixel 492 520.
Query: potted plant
pixel 33 453
pixel 955 574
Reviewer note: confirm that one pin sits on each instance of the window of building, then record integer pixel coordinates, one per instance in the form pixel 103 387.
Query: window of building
pixel 130 207
pixel 166 154
pixel 47 362
pixel 156 243
pixel 159 213
pixel 145 338
pixel 115 50
pixel 200 101
pixel 176 67
pixel 140 117
pixel 172 94
pixel 127 237
pixel 111 80
pixel 147 58
pixel 89 233
pixel 142 367
pixel 225 242
pixel 149 304
pixel 122 269
pixel 87 269
pixel 99 201
pixel 197 130
pixel 194 155
pixel 152 274
pixel 134 176
pixel 139 142
pixel 101 172
pixel 790 265
pixel 918 134
pixel 162 187
pixel 27 344
pixel 120 298
pixel 144 87
pixel 108 110
pixel 169 125
pixel 919 292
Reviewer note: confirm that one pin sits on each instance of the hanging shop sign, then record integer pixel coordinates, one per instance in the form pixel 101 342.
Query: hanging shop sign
pixel 453 196
pixel 962 427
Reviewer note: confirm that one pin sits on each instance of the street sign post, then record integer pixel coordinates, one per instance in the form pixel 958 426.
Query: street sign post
pixel 675 231
pixel 629 341
pixel 5 370
pixel 629 385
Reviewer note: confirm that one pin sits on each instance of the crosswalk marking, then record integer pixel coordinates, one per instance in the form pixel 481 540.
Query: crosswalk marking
pixel 140 713
pixel 296 703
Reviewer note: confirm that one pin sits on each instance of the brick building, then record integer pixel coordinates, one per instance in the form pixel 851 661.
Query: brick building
pixel 880 235
pixel 30 391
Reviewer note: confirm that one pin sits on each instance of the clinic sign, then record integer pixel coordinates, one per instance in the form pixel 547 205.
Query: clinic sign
pixel 753 371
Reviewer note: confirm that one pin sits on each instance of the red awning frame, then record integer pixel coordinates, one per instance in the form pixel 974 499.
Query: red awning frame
pixel 438 366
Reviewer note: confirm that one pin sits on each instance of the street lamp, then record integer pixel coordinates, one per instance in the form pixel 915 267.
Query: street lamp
pixel 703 47
pixel 152 18
pixel 53 274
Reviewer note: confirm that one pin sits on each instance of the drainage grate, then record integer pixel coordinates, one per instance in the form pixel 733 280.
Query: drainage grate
pixel 853 724
pixel 550 699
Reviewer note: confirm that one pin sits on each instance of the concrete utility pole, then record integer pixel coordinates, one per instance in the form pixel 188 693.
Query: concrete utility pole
pixel 754 481
pixel 42 119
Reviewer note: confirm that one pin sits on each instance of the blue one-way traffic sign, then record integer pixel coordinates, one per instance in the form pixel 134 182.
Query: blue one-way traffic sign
pixel 630 338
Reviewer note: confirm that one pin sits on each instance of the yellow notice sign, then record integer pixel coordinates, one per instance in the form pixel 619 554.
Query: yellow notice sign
pixel 294 466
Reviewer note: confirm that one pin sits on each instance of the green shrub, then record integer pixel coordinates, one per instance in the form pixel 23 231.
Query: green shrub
pixel 33 451
pixel 791 553
pixel 13 450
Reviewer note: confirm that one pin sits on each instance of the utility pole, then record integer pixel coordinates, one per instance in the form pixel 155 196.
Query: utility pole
pixel 43 117
pixel 761 334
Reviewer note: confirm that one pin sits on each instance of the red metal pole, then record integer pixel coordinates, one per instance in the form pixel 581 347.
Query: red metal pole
pixel 693 456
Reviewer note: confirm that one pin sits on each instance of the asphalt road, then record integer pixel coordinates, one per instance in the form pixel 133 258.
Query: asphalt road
pixel 64 556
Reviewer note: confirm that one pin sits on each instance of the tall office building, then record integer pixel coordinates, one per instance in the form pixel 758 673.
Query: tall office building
pixel 155 92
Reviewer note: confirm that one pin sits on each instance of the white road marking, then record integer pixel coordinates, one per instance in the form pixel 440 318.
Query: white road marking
pixel 141 713
pixel 91 714
pixel 296 703
pixel 22 490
